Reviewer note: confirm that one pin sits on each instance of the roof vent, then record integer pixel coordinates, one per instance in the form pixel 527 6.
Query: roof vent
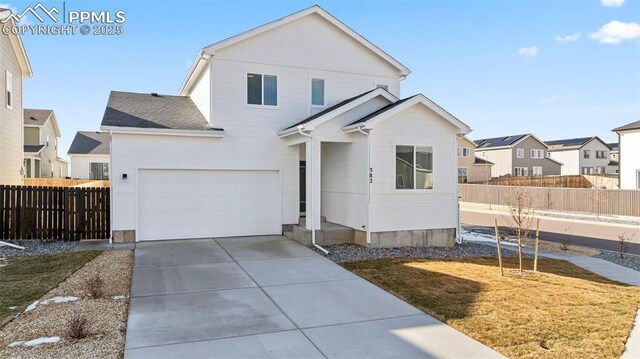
pixel 154 94
pixel 33 118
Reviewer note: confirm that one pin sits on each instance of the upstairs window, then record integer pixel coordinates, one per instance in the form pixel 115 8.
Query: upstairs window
pixel 586 154
pixel 317 92
pixel 536 153
pixel 414 167
pixel 262 90
pixel 520 153
pixel 464 151
pixel 601 154
pixel 9 89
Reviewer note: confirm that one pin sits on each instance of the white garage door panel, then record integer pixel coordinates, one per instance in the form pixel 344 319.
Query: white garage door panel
pixel 175 204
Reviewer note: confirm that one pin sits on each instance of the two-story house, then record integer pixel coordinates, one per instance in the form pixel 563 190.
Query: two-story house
pixel 300 116
pixel 629 160
pixel 517 155
pixel 614 157
pixel 14 67
pixel 586 156
pixel 89 154
pixel 470 167
pixel 41 135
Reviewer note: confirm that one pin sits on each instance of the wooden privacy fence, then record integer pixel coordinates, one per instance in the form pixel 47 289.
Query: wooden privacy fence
pixel 64 182
pixel 597 201
pixel 66 213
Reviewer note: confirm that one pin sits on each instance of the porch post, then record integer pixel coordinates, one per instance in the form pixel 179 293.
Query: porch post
pixel 313 177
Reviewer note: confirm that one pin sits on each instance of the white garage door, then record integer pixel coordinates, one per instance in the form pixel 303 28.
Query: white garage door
pixel 175 204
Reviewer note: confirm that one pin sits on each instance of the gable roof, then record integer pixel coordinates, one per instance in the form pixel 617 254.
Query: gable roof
pixel 90 143
pixel 17 45
pixel 153 111
pixel 504 141
pixel 629 126
pixel 482 161
pixel 614 146
pixel 205 54
pixel 36 117
pixel 572 143
pixel 369 121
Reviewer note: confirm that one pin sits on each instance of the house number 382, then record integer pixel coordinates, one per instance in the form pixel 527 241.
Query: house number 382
pixel 370 175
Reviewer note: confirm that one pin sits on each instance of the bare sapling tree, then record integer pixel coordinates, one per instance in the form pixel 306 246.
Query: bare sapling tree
pixel 623 241
pixel 520 216
pixel 598 196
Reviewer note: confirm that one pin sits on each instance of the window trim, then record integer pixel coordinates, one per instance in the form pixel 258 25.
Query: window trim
pixel 395 168
pixel 8 92
pixel 467 175
pixel 464 148
pixel 533 172
pixel 518 151
pixel 604 154
pixel 525 173
pixel 586 154
pixel 102 167
pixel 246 90
pixel 536 151
pixel 324 92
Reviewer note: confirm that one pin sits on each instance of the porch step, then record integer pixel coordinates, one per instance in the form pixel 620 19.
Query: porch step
pixel 329 233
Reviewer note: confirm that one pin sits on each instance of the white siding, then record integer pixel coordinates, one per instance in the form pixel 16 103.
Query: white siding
pixel 392 209
pixel 344 182
pixel 570 161
pixel 629 159
pixel 80 164
pixel 11 132
pixel 133 152
pixel 501 159
pixel 201 93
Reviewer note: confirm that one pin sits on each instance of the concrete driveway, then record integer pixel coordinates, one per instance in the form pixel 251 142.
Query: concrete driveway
pixel 270 297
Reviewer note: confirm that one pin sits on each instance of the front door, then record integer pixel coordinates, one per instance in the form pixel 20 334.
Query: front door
pixel 303 188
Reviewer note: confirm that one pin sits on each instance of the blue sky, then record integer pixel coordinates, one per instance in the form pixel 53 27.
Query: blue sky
pixel 496 65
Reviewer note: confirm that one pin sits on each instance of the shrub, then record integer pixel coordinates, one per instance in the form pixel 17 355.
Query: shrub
pixel 77 327
pixel 94 286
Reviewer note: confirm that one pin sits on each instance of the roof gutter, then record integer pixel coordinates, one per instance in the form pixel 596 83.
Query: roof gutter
pixel 194 70
pixel 216 133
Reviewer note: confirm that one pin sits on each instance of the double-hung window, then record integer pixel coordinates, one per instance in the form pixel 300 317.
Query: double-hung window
pixel 317 92
pixel 520 152
pixel 463 174
pixel 601 154
pixel 98 171
pixel 464 151
pixel 262 90
pixel 9 89
pixel 586 154
pixel 414 167
pixel 536 153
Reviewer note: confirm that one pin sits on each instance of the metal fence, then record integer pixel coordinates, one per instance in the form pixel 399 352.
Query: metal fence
pixel 598 201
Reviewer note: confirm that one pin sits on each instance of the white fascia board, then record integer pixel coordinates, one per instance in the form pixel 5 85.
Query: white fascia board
pixel 211 49
pixel 199 64
pixel 311 125
pixel 417 99
pixel 163 131
pixel 21 53
pixel 71 155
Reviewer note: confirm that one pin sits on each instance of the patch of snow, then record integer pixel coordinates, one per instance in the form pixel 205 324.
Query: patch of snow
pixel 54 300
pixel 34 342
pixel 118 297
pixel 3 262
pixel 12 308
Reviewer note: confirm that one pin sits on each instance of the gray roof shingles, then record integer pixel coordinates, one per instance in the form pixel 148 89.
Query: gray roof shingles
pixel 90 143
pixel 482 161
pixel 381 111
pixel 36 117
pixel 33 148
pixel 499 141
pixel 144 110
pixel 629 126
pixel 569 142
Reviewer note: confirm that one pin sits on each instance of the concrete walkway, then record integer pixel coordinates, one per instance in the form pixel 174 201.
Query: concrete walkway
pixel 270 297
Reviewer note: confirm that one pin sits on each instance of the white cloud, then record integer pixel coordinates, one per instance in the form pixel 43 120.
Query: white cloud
pixel 530 51
pixel 615 32
pixel 568 38
pixel 612 3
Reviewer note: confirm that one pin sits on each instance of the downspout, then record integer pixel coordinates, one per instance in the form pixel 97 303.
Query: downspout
pixel 368 183
pixel 313 220
pixel 111 189
pixel 457 196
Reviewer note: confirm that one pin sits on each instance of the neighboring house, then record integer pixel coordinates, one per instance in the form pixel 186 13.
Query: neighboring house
pixel 629 161
pixel 41 135
pixel 89 153
pixel 517 155
pixel 301 116
pixel 586 156
pixel 14 67
pixel 614 157
pixel 470 167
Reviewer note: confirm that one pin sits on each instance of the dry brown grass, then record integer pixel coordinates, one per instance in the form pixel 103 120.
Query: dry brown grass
pixel 563 312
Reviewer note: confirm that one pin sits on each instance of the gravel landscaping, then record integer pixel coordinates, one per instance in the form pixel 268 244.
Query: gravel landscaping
pixel 106 317
pixel 629 260
pixel 352 252
pixel 37 248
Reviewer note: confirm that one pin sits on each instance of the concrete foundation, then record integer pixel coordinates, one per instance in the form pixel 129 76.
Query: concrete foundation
pixel 127 236
pixel 418 238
